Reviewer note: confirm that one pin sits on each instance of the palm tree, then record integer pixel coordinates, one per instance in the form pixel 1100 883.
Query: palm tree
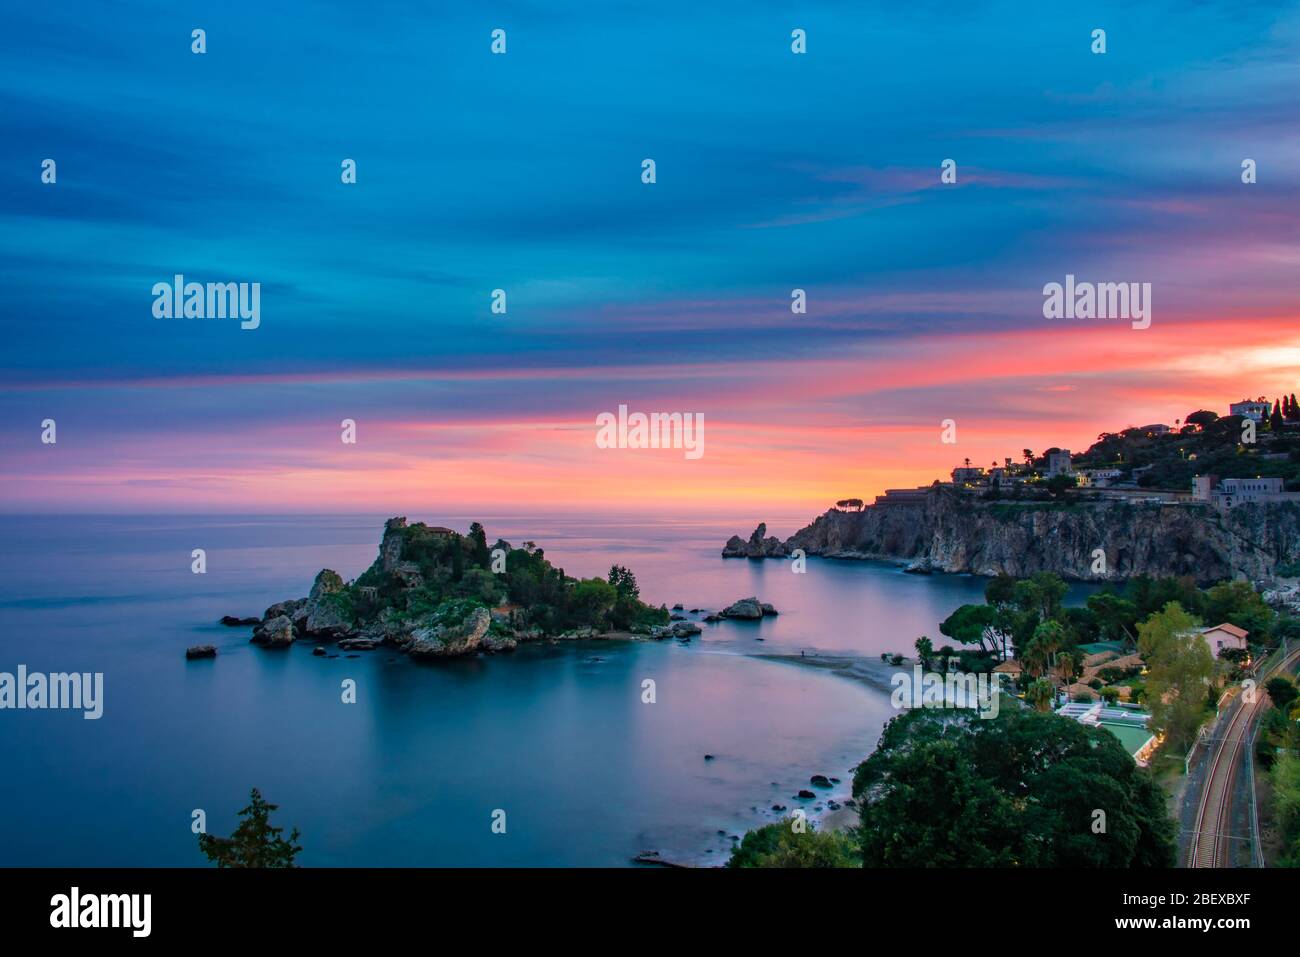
pixel 1040 694
pixel 924 651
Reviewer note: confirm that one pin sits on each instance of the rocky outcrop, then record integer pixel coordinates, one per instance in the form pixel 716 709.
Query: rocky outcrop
pixel 748 609
pixel 200 651
pixel 758 545
pixel 274 632
pixel 1283 596
pixel 286 608
pixel 232 621
pixel 677 629
pixel 951 532
pixel 321 615
pixel 449 640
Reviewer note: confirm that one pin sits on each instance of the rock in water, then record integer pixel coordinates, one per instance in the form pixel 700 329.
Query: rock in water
pixel 758 545
pixel 359 644
pixel 678 629
pixel 750 609
pixel 201 651
pixel 286 608
pixel 274 633
pixel 232 622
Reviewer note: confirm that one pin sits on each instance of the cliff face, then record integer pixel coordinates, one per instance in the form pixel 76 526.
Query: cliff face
pixel 949 532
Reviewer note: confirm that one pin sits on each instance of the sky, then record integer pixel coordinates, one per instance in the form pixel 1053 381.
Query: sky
pixel 478 171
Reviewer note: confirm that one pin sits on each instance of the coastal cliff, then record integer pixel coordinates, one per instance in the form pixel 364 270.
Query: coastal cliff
pixel 945 530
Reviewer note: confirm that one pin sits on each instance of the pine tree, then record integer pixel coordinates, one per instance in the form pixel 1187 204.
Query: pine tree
pixel 1295 413
pixel 255 842
pixel 1275 420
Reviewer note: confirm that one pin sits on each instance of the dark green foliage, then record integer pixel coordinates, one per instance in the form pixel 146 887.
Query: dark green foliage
pixel 1282 692
pixel 781 845
pixel 947 789
pixel 255 843
pixel 1238 603
pixel 1207 445
pixel 1057 484
pixel 456 573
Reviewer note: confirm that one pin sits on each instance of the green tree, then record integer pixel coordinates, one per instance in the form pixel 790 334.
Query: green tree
pixel 255 843
pixel 1282 692
pixel 1286 806
pixel 478 546
pixel 1116 616
pixel 975 625
pixel 1237 602
pixel 795 844
pixel 592 600
pixel 1059 484
pixel 924 651
pixel 1019 790
pixel 624 582
pixel 1041 593
pixel 1039 654
pixel 1041 694
pixel 1179 667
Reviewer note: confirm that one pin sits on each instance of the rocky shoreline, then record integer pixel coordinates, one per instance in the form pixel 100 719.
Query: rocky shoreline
pixel 947 530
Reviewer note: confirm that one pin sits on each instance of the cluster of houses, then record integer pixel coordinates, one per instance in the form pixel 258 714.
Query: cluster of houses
pixel 1128 722
pixel 1009 474
pixel 1111 482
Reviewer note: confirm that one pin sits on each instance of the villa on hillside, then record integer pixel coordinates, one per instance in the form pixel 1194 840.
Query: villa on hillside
pixel 1229 493
pixel 1098 478
pixel 1225 636
pixel 1257 409
pixel 968 475
pixel 1011 668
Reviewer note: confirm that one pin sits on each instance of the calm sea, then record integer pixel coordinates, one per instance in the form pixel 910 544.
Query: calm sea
pixel 557 737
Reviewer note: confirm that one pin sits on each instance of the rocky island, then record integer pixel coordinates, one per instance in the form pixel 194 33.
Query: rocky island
pixel 434 593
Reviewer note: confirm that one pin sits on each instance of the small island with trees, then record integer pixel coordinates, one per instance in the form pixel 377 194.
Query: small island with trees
pixel 435 593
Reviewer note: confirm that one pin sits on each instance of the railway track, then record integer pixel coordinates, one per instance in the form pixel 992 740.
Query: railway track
pixel 1213 815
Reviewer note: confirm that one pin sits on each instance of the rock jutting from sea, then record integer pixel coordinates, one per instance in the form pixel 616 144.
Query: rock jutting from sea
pixel 434 593
pixel 946 530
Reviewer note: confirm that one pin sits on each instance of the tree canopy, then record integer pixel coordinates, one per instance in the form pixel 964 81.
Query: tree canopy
pixel 948 789
pixel 256 842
